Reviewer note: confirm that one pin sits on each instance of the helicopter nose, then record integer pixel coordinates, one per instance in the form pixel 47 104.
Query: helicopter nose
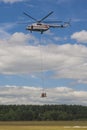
pixel 28 27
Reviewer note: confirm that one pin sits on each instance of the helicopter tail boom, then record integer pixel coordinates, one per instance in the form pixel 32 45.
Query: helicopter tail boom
pixel 60 25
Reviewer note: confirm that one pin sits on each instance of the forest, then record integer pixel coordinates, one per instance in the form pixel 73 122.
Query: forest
pixel 43 112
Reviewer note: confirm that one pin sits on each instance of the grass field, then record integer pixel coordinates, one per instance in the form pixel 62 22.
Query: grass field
pixel 44 125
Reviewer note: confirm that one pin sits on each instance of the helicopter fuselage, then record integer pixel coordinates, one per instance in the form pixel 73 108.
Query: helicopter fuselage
pixel 40 27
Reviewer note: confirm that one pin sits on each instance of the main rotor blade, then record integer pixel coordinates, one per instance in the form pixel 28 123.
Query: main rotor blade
pixel 30 16
pixel 52 21
pixel 24 22
pixel 45 16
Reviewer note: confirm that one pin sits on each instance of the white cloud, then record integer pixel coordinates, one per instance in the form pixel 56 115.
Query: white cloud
pixel 80 36
pixel 11 1
pixel 21 38
pixel 22 54
pixel 31 95
pixel 3 30
pixel 56 38
pixel 82 81
pixel 4 34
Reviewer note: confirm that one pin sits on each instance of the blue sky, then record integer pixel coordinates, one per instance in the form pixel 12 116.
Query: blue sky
pixel 55 62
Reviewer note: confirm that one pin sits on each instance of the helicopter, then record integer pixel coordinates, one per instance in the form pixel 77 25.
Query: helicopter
pixel 42 26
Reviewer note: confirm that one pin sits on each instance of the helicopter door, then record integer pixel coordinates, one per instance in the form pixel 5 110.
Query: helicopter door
pixel 31 27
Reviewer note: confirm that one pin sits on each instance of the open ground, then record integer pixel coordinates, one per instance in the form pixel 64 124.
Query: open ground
pixel 44 125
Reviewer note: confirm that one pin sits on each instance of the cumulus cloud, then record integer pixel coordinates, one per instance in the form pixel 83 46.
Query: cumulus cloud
pixel 4 27
pixel 80 36
pixel 59 38
pixel 21 38
pixel 3 35
pixel 22 54
pixel 32 95
pixel 11 1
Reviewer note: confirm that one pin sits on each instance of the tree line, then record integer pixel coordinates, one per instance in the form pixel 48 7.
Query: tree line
pixel 42 112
